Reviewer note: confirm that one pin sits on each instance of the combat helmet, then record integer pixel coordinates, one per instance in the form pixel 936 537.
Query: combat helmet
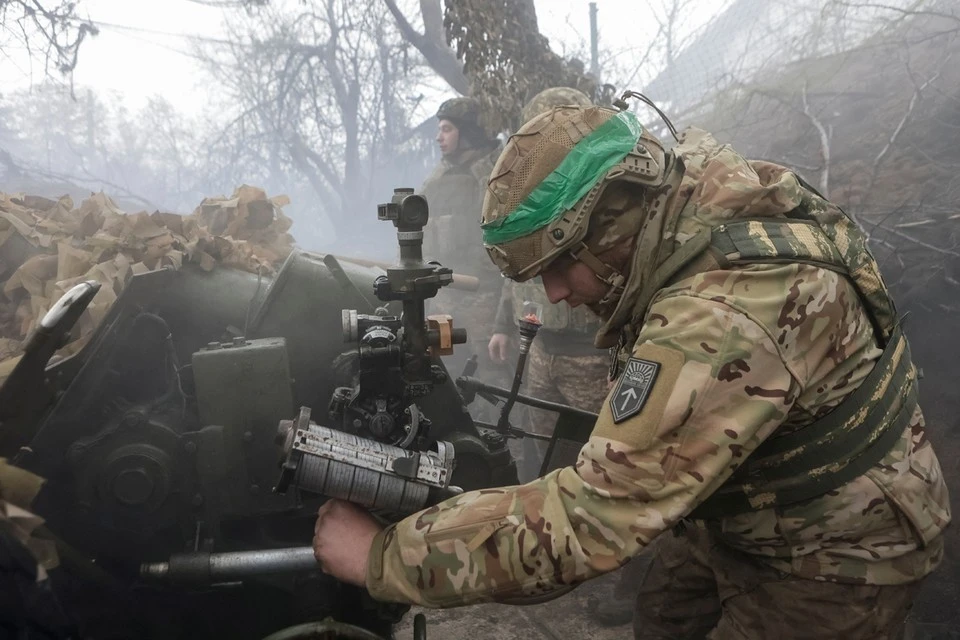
pixel 459 110
pixel 545 187
pixel 553 97
pixel 464 113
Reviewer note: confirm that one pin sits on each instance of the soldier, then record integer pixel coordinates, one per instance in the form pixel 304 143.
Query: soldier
pixel 455 193
pixel 765 408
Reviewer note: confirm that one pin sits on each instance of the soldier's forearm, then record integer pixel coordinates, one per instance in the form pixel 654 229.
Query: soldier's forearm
pixel 504 322
pixel 509 544
pixel 647 464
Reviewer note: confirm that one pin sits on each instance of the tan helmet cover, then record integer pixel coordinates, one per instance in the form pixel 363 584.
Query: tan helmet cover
pixel 529 156
pixel 553 97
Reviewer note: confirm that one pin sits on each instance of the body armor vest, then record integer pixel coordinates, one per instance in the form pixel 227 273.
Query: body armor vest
pixel 861 430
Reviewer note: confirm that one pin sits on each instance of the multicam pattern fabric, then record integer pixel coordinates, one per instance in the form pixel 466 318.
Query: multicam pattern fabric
pixel 553 97
pixel 580 381
pixel 680 597
pixel 745 353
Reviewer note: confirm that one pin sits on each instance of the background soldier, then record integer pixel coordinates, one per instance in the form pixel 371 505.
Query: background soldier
pixel 563 366
pixel 455 192
pixel 765 411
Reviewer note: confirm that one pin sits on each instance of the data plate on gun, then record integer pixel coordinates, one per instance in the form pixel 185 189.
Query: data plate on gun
pixel 430 468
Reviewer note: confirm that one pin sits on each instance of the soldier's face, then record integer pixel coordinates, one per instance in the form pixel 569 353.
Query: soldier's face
pixel 448 137
pixel 572 281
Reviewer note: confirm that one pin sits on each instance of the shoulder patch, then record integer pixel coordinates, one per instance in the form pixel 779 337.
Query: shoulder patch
pixel 633 389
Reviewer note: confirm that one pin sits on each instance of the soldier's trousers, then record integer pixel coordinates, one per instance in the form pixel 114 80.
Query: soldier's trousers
pixel 699 588
pixel 579 381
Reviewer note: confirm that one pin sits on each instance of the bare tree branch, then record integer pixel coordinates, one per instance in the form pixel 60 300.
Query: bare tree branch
pixel 432 13
pixel 899 10
pixel 825 134
pixel 911 105
pixel 430 43
pixel 54 24
pixel 917 241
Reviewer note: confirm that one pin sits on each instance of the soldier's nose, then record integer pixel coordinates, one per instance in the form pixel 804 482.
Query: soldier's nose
pixel 555 287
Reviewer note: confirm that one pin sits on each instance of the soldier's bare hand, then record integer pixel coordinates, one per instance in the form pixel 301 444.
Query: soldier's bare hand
pixel 497 347
pixel 342 538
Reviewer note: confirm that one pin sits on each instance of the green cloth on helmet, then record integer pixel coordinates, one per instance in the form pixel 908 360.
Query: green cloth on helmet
pixel 588 161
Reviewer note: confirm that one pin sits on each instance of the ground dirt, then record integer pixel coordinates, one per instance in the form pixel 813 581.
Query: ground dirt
pixel 565 618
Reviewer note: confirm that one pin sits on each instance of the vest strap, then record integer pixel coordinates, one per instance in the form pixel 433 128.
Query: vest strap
pixel 604 272
pixel 832 450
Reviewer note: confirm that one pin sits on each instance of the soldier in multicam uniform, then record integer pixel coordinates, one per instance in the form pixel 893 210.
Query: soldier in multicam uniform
pixel 765 409
pixel 455 193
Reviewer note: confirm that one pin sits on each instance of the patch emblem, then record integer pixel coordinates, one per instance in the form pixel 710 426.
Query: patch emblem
pixel 633 389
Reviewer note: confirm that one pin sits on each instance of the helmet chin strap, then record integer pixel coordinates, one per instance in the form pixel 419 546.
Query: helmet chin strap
pixel 614 280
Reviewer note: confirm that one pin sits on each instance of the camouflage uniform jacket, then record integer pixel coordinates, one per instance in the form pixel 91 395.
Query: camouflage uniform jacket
pixel 454 192
pixel 743 353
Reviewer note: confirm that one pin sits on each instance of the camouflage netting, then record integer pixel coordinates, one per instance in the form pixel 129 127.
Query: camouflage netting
pixel 506 59
pixel 48 246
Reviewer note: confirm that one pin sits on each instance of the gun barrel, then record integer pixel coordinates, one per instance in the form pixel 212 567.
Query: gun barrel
pixel 202 567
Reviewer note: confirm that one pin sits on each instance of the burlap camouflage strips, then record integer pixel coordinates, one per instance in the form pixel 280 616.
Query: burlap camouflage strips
pixel 745 353
pixel 47 246
pixel 507 61
pixel 18 488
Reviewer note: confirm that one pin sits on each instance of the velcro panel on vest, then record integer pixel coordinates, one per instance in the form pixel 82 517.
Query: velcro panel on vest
pixel 831 451
pixel 766 241
pixel 772 241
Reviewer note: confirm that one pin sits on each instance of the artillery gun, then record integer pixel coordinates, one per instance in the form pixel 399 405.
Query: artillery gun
pixel 188 445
